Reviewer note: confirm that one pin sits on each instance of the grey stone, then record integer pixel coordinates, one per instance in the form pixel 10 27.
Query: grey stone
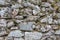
pixel 19 1
pixel 3 33
pixel 50 32
pixel 43 9
pixel 26 26
pixel 43 29
pixel 36 7
pixel 55 27
pixel 57 32
pixel 14 28
pixel 46 28
pixel 19 17
pixel 28 4
pixel 9 38
pixel 35 1
pixel 47 4
pixel 47 19
pixel 2 23
pixel 4 11
pixel 28 11
pixel 33 35
pixel 4 2
pixel 16 6
pixel 51 0
pixel 18 39
pixel 35 12
pixel 44 20
pixel 58 21
pixel 50 20
pixel 14 38
pixel 58 15
pixel 55 22
pixel 18 21
pixel 10 24
pixel 1 38
pixel 32 18
pixel 15 33
pixel 53 37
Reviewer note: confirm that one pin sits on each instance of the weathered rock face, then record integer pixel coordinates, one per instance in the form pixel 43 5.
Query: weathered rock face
pixel 29 19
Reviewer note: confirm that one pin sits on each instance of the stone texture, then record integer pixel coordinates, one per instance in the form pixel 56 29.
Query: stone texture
pixel 29 19
pixel 26 26
pixel 33 35
pixel 15 33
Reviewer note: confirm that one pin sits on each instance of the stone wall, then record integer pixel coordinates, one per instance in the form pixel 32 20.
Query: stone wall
pixel 29 20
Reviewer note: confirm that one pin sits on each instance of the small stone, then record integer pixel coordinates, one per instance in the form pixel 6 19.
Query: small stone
pixel 32 18
pixel 19 1
pixel 15 12
pixel 47 4
pixel 58 21
pixel 34 12
pixel 55 22
pixel 50 20
pixel 27 4
pixel 3 2
pixel 58 15
pixel 35 1
pixel 18 21
pixel 1 38
pixel 3 33
pixel 57 32
pixel 49 33
pixel 9 38
pixel 43 9
pixel 28 11
pixel 19 17
pixel 44 20
pixel 2 12
pixel 51 1
pixel 15 33
pixel 14 28
pixel 2 23
pixel 48 27
pixel 54 27
pixel 9 24
pixel 43 29
pixel 33 26
pixel 36 7
pixel 18 39
pixel 16 6
pixel 33 35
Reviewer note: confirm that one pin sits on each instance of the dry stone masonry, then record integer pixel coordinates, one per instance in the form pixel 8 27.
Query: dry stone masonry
pixel 29 19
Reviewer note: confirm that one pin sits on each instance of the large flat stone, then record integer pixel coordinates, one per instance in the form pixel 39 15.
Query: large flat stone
pixel 15 33
pixel 33 35
pixel 26 26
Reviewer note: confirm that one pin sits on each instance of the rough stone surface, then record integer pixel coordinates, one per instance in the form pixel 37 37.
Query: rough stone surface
pixel 29 19
pixel 26 26
pixel 15 33
pixel 33 35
